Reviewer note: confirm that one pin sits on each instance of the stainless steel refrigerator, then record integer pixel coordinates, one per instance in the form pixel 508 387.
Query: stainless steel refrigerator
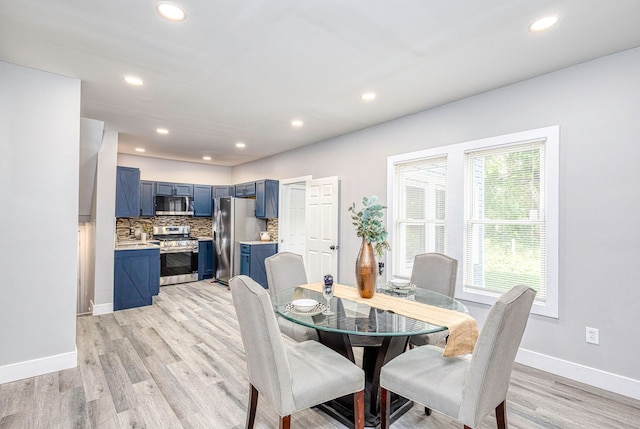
pixel 234 220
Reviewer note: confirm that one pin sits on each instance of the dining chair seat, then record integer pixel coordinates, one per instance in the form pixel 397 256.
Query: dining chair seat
pixel 319 374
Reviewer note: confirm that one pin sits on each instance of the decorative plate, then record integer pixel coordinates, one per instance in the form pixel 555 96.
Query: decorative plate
pixel 319 308
pixel 400 287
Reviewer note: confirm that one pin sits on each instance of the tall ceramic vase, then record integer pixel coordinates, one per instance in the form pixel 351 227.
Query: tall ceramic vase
pixel 366 270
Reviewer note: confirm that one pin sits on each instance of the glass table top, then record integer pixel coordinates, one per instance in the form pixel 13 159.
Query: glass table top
pixel 356 318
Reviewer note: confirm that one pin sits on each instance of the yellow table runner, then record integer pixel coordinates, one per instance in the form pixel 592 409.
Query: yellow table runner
pixel 463 329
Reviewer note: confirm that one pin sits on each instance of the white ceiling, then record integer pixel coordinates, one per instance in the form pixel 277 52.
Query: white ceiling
pixel 241 70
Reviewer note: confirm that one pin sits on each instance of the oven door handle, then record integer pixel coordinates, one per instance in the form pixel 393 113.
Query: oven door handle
pixel 178 251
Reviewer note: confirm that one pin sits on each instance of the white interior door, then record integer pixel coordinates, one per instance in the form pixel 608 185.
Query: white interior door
pixel 297 231
pixel 321 213
pixel 292 228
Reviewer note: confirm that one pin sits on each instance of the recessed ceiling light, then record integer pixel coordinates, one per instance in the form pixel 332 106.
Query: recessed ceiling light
pixel 297 123
pixel 171 11
pixel 368 96
pixel 139 149
pixel 206 158
pixel 162 131
pixel 543 23
pixel 133 80
pixel 240 145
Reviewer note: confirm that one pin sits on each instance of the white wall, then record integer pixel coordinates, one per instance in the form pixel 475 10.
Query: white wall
pixel 164 170
pixel 596 105
pixel 90 141
pixel 105 219
pixel 39 156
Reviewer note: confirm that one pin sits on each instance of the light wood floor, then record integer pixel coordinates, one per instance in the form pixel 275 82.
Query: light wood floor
pixel 180 364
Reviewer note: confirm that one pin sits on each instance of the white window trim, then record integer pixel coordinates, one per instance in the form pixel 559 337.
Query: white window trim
pixel 455 154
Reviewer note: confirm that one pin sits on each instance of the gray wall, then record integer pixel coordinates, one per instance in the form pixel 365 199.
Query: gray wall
pixel 39 156
pixel 165 170
pixel 597 106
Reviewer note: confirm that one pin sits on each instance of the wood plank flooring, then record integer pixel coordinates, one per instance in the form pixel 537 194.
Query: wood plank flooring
pixel 180 364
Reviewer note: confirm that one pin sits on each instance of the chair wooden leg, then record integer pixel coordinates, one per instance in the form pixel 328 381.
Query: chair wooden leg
pixel 285 422
pixel 253 405
pixel 385 405
pixel 358 410
pixel 501 415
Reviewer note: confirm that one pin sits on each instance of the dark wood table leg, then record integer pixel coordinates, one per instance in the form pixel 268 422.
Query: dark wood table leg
pixel 374 357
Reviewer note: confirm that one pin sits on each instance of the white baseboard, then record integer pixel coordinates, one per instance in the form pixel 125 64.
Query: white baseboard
pixel 594 377
pixel 98 309
pixel 32 368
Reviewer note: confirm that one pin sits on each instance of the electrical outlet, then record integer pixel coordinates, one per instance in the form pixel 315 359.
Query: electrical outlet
pixel 593 336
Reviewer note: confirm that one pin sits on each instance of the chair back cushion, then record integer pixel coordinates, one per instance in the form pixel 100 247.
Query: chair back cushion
pixel 436 272
pixel 267 362
pixel 284 271
pixel 489 373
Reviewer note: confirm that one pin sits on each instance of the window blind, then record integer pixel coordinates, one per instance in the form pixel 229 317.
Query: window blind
pixel 505 225
pixel 419 211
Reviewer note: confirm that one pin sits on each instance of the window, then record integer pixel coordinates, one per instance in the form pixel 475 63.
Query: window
pixel 419 217
pixel 491 203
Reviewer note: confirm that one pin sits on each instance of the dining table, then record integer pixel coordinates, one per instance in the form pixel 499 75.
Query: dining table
pixel 381 326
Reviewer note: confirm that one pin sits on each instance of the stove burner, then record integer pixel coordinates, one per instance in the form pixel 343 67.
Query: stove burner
pixel 175 238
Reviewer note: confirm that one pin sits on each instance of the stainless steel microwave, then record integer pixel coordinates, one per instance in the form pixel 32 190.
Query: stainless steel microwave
pixel 174 206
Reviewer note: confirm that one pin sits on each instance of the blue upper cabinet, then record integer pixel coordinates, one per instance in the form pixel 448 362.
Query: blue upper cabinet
pixel 147 198
pixel 127 192
pixel 245 190
pixel 202 201
pixel 265 193
pixel 174 189
pixel 267 199
pixel 223 191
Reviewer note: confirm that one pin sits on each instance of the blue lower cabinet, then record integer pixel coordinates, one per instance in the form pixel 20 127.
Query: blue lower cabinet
pixel 136 277
pixel 252 258
pixel 205 259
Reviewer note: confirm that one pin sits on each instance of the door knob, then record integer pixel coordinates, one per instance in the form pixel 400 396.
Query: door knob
pixel 332 247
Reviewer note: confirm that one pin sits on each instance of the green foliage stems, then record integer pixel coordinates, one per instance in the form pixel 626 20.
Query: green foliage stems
pixel 368 223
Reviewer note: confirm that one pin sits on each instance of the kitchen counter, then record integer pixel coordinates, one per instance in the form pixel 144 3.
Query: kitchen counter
pixel 253 243
pixel 205 238
pixel 137 245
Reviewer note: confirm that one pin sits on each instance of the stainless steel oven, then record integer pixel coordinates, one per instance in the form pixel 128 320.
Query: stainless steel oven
pixel 178 255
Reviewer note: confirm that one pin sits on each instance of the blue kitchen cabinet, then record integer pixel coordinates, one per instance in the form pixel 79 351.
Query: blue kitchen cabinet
pixel 202 198
pixel 252 258
pixel 147 198
pixel 136 277
pixel 127 192
pixel 223 191
pixel 267 199
pixel 266 194
pixel 243 190
pixel 205 259
pixel 174 189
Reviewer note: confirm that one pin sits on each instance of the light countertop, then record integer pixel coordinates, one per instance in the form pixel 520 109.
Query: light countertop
pixel 258 242
pixel 136 245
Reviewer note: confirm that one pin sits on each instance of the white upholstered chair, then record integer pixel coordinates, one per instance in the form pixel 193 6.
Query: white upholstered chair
pixel 462 388
pixel 436 272
pixel 291 378
pixel 286 270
